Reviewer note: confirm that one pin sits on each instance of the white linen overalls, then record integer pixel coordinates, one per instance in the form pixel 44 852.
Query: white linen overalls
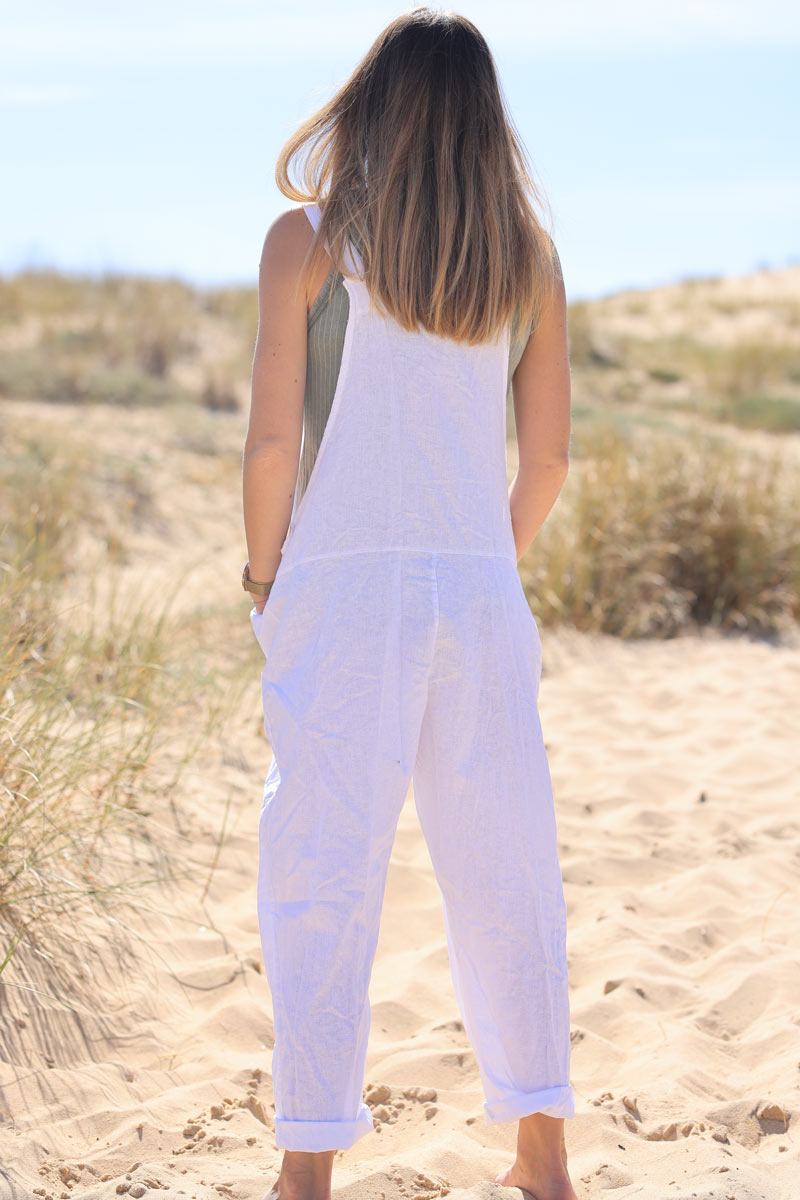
pixel 400 647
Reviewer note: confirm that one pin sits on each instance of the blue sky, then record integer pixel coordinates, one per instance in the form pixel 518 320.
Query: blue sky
pixel 664 135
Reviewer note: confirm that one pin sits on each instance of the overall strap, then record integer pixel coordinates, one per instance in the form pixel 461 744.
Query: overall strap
pixel 352 259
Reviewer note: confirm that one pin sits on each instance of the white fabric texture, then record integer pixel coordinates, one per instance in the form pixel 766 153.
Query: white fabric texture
pixel 400 649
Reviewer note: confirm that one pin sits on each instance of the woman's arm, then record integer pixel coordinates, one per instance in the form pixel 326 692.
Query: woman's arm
pixel 542 397
pixel 272 446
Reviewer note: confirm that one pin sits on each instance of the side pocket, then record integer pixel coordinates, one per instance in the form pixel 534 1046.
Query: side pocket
pixel 536 641
pixel 264 625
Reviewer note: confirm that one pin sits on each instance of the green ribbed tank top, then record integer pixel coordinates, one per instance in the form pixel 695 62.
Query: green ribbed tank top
pixel 327 322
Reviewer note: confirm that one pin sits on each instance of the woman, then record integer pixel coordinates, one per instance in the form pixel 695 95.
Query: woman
pixel 396 303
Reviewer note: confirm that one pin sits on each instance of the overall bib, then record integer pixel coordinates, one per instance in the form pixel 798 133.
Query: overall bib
pixel 400 648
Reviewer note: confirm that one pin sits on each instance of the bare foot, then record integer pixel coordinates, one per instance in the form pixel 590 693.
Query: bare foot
pixel 304 1175
pixel 541 1163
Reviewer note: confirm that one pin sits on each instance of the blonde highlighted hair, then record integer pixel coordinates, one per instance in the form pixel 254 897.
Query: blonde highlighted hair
pixel 415 162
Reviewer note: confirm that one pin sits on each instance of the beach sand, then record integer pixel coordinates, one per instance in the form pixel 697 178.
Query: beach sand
pixel 675 768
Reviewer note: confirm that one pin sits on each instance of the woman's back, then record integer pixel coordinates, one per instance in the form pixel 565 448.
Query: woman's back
pixel 327 324
pixel 413 456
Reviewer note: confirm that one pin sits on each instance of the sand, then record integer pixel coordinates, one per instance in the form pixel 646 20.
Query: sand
pixel 675 768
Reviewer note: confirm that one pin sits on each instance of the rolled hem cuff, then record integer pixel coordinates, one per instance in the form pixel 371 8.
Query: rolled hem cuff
pixel 554 1102
pixel 314 1136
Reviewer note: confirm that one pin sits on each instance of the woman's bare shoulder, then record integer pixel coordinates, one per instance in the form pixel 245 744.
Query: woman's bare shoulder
pixel 287 239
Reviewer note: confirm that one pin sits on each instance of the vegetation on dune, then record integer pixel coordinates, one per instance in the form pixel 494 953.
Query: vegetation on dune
pixel 105 697
pixel 136 341
pixel 124 340
pixel 655 535
pixel 694 348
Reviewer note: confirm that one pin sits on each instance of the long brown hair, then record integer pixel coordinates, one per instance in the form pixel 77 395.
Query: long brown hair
pixel 416 163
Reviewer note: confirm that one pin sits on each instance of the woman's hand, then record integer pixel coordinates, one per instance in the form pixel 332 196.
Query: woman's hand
pixel 260 603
